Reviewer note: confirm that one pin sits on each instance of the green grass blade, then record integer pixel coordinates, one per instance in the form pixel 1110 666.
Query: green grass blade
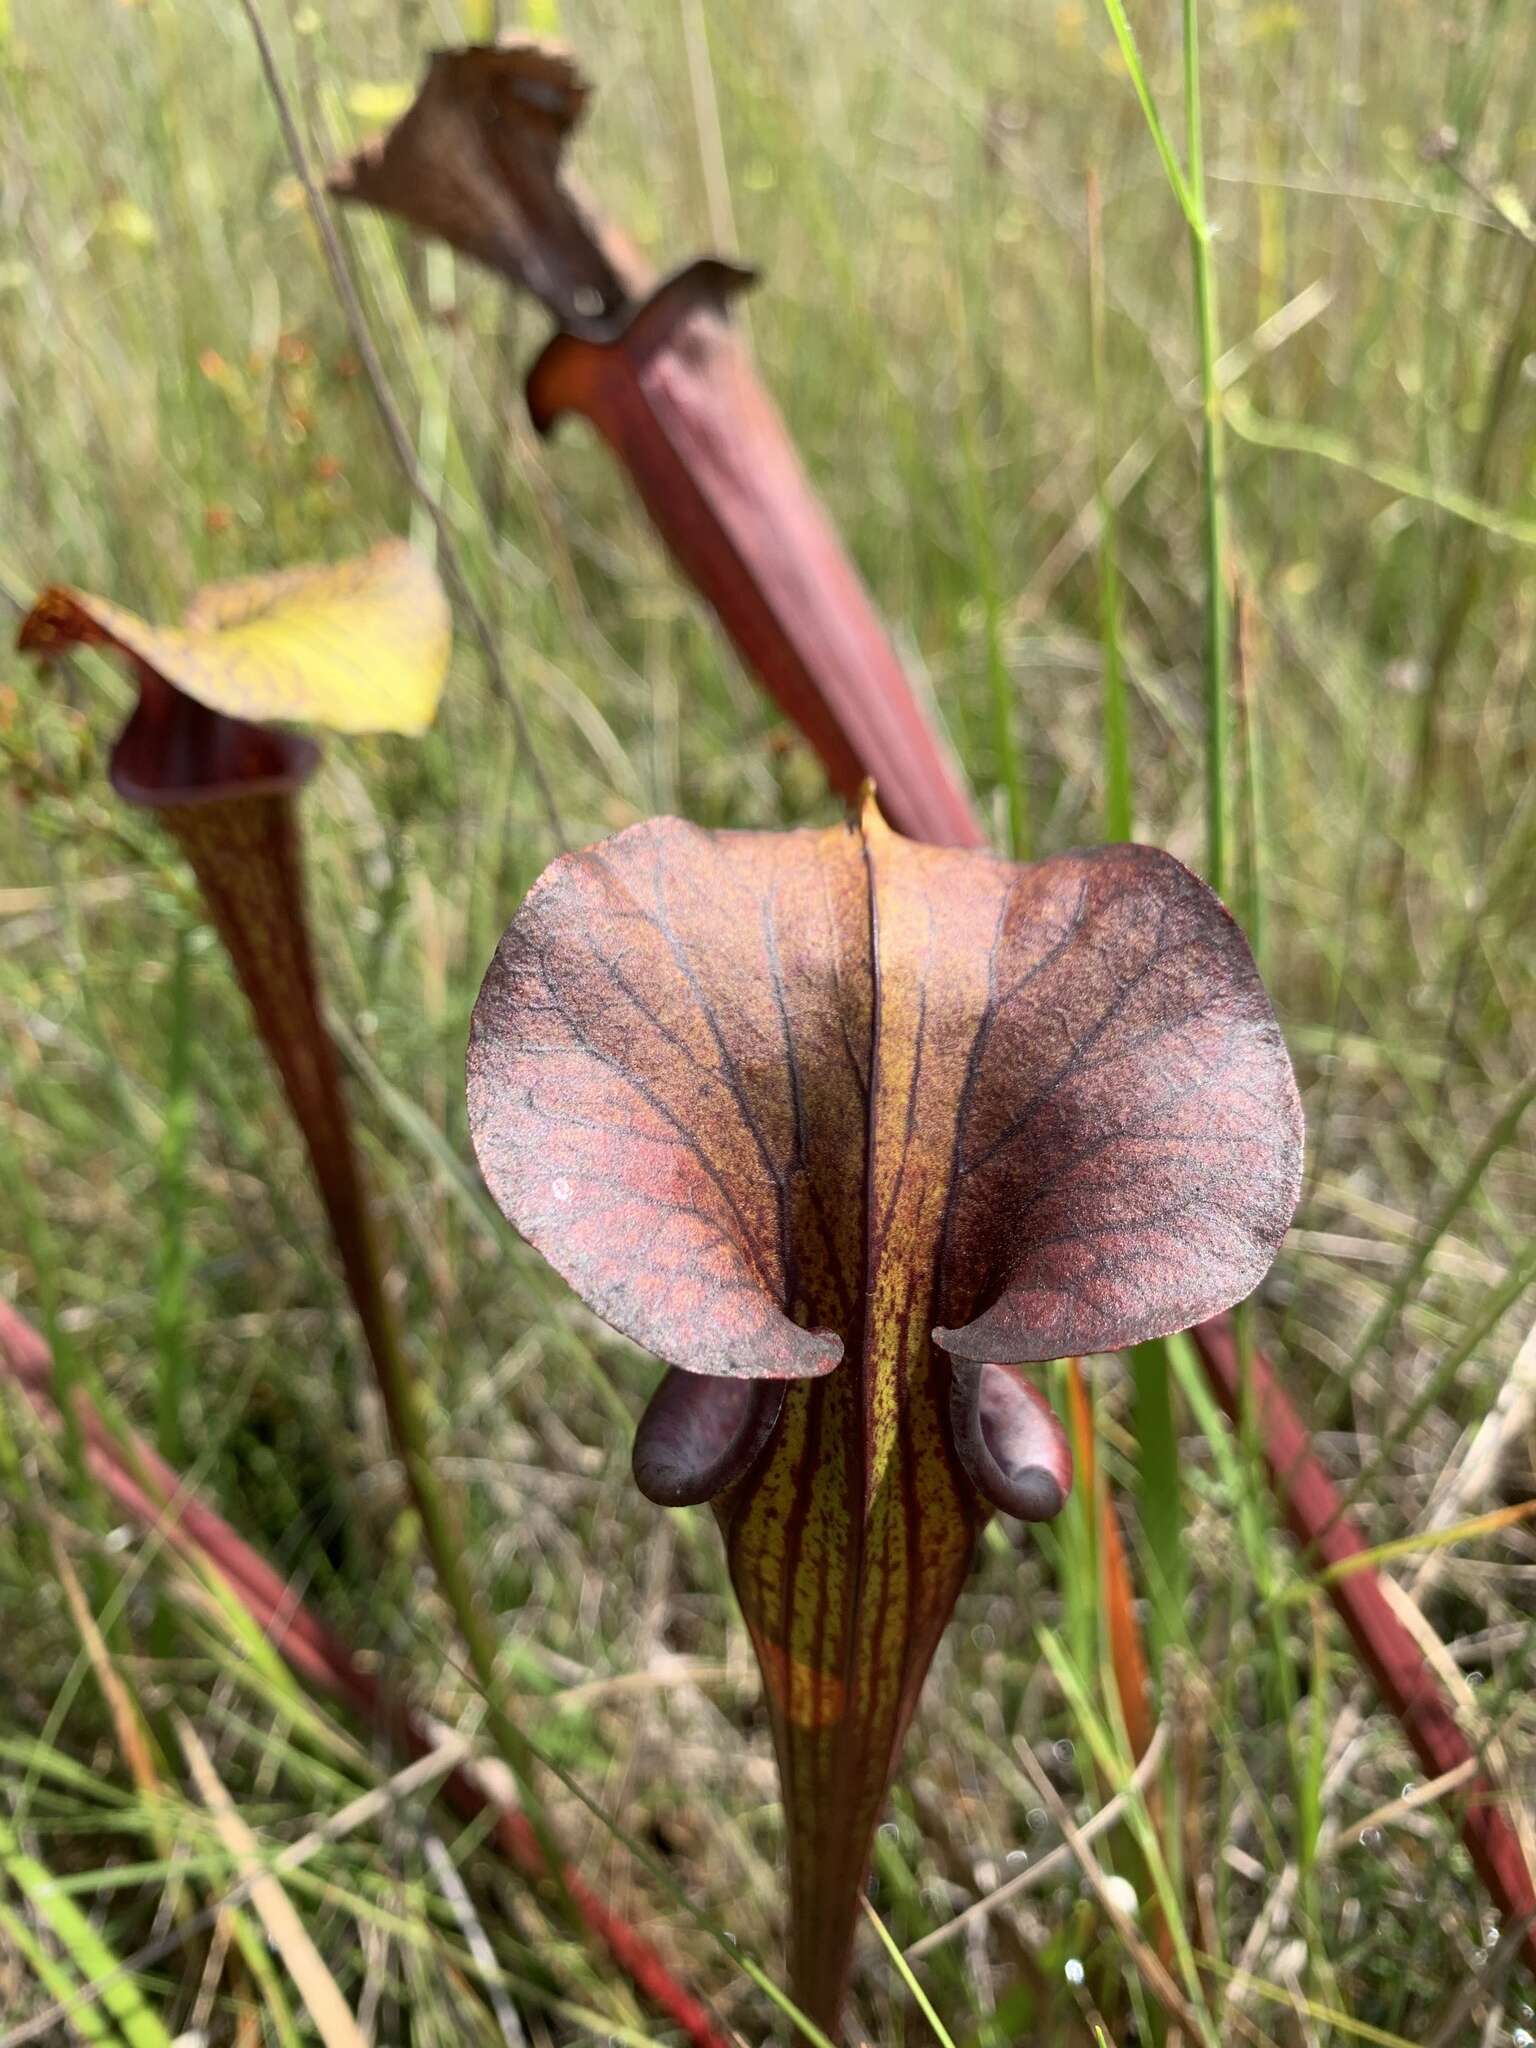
pixel 174 1251
pixel 55 1978
pixel 905 1972
pixel 1218 609
pixel 1118 815
pixel 1290 438
pixel 1158 1503
pixel 85 1946
pixel 1125 36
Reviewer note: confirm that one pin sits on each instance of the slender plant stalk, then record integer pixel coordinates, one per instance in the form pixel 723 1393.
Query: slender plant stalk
pixel 1155 1422
pixel 1156 1429
pixel 1005 739
pixel 1219 683
pixel 1218 610
pixel 1119 820
pixel 1251 899
pixel 904 1970
pixel 1188 187
pixel 171 1277
pixel 1155 1434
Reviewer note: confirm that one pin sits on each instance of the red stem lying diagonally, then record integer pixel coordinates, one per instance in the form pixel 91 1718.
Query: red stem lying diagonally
pixel 1318 1519
pixel 144 1486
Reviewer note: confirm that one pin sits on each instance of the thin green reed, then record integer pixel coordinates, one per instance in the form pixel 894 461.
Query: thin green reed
pixel 1153 1391
pixel 174 1250
pixel 1156 1424
pixel 1218 619
pixel 1255 830
pixel 978 510
pixel 1188 187
pixel 1118 818
pixel 1156 1421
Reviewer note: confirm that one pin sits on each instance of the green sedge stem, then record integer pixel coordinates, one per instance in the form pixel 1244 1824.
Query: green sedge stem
pixel 173 1264
pixel 1005 741
pixel 1218 620
pixel 1118 815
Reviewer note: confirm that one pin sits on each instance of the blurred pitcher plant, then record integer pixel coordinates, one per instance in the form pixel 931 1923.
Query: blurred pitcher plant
pixel 848 1129
pixel 359 646
pixel 660 370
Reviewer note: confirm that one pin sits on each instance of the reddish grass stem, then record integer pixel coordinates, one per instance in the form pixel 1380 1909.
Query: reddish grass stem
pixel 144 1486
pixel 1329 1536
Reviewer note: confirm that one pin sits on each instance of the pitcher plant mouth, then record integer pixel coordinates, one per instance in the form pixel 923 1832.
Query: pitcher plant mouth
pixel 174 750
pixel 354 646
pixel 849 1129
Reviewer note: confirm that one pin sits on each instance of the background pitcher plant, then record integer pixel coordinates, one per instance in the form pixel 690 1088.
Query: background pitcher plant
pixel 359 646
pixel 847 1129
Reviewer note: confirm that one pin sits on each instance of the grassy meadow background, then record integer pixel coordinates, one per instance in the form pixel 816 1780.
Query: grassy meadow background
pixel 180 400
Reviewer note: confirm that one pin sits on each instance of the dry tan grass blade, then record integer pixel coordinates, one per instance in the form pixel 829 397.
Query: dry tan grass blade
pixel 316 1986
